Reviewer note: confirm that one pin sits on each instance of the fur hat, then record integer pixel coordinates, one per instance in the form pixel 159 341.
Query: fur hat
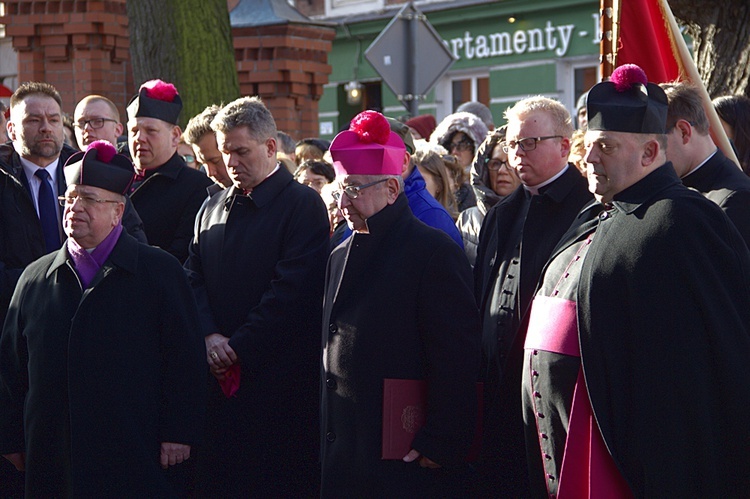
pixel 467 123
pixel 156 99
pixel 369 147
pixel 100 166
pixel 627 103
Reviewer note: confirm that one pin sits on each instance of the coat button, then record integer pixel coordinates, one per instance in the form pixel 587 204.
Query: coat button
pixel 538 395
pixel 547 457
pixel 540 415
pixel 332 328
pixel 603 215
pixel 330 436
pixel 331 383
pixel 544 436
pixel 551 477
pixel 534 373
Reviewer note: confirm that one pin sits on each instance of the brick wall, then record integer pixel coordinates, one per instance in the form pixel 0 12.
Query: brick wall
pixel 79 46
pixel 287 66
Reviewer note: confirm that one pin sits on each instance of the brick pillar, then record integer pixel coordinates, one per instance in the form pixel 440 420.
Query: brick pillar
pixel 79 46
pixel 287 66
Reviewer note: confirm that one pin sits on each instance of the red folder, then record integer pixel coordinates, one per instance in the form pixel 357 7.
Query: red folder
pixel 405 412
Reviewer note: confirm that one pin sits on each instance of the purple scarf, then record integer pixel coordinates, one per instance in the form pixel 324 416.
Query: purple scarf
pixel 88 264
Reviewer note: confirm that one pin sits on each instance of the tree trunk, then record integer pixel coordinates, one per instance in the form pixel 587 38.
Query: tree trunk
pixel 188 43
pixel 721 30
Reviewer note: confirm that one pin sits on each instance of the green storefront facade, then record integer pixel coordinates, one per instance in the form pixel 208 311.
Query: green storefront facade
pixel 504 50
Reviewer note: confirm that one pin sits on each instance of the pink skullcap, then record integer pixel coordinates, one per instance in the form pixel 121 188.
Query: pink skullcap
pixel 369 147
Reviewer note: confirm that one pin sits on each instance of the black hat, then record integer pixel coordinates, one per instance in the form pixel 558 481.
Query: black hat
pixel 100 166
pixel 156 99
pixel 627 103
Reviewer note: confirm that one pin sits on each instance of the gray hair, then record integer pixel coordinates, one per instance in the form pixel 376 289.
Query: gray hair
pixel 249 112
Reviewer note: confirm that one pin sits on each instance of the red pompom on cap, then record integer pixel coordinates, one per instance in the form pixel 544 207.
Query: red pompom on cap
pixel 627 75
pixel 160 90
pixel 104 150
pixel 371 126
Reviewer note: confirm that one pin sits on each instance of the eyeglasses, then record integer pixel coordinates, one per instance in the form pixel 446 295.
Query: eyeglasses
pixel 496 164
pixel 86 200
pixel 527 144
pixel 188 158
pixel 461 145
pixel 94 123
pixel 352 191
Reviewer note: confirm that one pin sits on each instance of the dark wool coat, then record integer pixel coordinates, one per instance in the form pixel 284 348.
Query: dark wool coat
pixel 21 238
pixel 721 181
pixel 167 201
pixel 398 304
pixel 257 265
pixel 93 381
pixel 515 256
pixel 664 328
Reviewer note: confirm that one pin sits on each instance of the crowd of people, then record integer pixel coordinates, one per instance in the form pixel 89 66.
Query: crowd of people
pixel 460 308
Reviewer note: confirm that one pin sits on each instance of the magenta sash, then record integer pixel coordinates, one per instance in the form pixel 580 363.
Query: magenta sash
pixel 587 467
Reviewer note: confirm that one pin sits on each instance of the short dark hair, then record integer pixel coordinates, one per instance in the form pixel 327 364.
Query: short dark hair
pixel 34 88
pixel 735 111
pixel 685 103
pixel 286 142
pixel 317 167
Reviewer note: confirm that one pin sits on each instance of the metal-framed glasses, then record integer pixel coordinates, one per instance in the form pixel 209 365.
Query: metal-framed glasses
pixel 527 144
pixel 496 164
pixel 86 200
pixel 94 123
pixel 352 191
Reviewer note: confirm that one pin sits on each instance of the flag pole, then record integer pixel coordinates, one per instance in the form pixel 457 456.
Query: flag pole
pixel 716 131
pixel 606 46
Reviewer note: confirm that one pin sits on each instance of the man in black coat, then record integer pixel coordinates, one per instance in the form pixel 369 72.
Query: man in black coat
pixel 697 160
pixel 100 357
pixel 641 318
pixel 257 264
pixel 517 237
pixel 398 304
pixel 167 193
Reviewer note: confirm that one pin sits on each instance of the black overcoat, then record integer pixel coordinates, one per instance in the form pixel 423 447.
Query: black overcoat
pixel 257 266
pixel 721 181
pixel 398 304
pixel 93 381
pixel 167 201
pixel 664 329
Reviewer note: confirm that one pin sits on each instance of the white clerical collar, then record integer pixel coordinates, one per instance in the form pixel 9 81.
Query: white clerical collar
pixel 701 164
pixel 534 189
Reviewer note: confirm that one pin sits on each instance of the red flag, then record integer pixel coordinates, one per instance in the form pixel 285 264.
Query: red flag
pixel 645 39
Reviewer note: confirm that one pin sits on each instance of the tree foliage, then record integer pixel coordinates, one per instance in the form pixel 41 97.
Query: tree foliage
pixel 721 30
pixel 188 43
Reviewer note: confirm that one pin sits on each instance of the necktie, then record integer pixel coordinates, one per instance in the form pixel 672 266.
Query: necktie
pixel 48 211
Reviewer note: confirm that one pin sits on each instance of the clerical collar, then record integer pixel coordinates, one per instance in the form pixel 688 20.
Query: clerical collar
pixel 534 189
pixel 701 164
pixel 247 192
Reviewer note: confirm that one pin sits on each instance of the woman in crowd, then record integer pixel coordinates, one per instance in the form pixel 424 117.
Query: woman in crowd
pixel 460 134
pixel 492 179
pixel 431 163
